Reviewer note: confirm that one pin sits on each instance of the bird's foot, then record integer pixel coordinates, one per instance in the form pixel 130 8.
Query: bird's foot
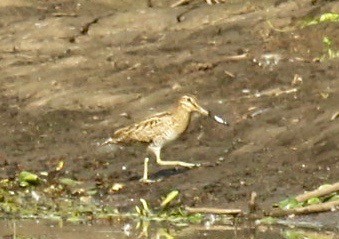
pixel 191 165
pixel 184 164
pixel 178 163
pixel 207 164
pixel 195 165
pixel 148 181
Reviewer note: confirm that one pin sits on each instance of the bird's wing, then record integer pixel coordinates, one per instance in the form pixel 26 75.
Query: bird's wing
pixel 144 131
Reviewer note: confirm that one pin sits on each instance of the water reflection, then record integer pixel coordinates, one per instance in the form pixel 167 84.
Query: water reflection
pixel 14 229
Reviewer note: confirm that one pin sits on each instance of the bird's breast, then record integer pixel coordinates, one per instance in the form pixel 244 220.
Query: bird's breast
pixel 180 123
pixel 171 134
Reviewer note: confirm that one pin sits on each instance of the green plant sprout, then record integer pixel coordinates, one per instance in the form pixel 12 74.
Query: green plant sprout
pixel 166 212
pixel 325 17
pixel 330 52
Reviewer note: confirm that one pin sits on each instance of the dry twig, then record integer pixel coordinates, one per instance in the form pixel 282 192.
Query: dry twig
pixel 193 67
pixel 318 192
pixel 334 116
pixel 180 2
pixel 64 14
pixel 213 210
pixel 252 204
pixel 233 58
pixel 322 207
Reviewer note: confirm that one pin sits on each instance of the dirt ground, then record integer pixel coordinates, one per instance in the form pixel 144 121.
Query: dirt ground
pixel 74 71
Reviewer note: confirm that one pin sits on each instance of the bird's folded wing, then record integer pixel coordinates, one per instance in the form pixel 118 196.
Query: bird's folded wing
pixel 144 131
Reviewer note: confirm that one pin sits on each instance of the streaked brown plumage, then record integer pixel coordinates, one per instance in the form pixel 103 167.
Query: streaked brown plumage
pixel 160 129
pixel 183 2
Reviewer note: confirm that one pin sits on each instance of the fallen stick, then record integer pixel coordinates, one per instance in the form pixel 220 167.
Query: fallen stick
pixel 335 115
pixel 211 65
pixel 232 58
pixel 230 74
pixel 252 204
pixel 213 210
pixel 275 92
pixel 194 227
pixel 322 207
pixel 64 14
pixel 180 2
pixel 318 192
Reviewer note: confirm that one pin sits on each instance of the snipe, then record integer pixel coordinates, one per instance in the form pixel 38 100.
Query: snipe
pixel 159 130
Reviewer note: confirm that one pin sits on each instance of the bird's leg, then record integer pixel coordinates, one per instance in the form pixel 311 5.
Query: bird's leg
pixel 144 178
pixel 157 149
pixel 210 2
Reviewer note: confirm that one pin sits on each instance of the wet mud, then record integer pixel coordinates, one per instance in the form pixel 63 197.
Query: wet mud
pixel 72 72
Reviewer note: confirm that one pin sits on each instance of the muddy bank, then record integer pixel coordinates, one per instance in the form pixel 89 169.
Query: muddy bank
pixel 73 71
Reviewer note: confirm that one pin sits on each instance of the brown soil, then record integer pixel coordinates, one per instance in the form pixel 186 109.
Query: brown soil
pixel 73 71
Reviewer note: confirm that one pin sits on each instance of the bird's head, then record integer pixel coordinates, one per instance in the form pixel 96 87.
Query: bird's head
pixel 190 104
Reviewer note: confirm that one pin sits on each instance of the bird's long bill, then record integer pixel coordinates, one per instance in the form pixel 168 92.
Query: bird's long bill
pixel 202 110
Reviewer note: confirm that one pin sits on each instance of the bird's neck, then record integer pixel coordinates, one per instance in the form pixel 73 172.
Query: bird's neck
pixel 182 116
pixel 182 111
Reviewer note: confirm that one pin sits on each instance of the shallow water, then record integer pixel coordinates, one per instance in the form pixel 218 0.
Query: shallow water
pixel 48 229
pixel 72 73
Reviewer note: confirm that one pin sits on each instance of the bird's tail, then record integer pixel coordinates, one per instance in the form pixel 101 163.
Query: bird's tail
pixel 120 136
pixel 110 141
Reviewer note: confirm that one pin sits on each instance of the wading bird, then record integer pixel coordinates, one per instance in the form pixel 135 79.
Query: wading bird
pixel 160 129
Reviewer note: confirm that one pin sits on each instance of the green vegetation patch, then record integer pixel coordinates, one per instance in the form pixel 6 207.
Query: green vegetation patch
pixel 167 212
pixel 301 234
pixel 30 195
pixel 33 196
pixel 291 203
pixel 325 17
pixel 330 51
